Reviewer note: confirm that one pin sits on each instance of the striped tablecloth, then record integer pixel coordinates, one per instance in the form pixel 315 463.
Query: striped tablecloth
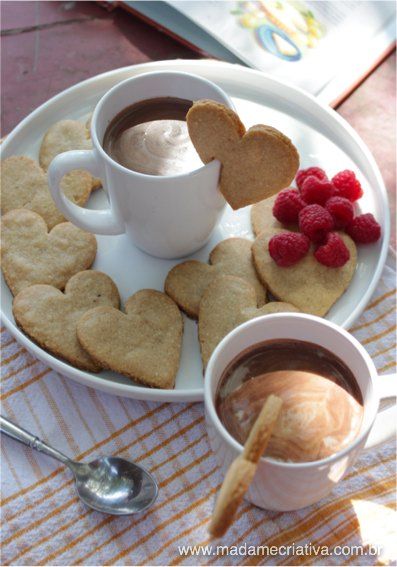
pixel 43 523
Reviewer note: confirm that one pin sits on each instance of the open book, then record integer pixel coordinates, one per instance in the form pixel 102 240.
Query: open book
pixel 325 47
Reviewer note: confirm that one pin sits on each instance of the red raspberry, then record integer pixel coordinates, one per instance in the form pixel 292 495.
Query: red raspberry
pixel 315 222
pixel 310 171
pixel 334 253
pixel 342 211
pixel 315 190
pixel 346 185
pixel 287 248
pixel 287 206
pixel 364 229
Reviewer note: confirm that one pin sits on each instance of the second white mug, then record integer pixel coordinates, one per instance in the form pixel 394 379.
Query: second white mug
pixel 166 216
pixel 281 485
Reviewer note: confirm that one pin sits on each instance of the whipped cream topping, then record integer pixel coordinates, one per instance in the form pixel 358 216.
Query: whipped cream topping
pixel 318 417
pixel 158 147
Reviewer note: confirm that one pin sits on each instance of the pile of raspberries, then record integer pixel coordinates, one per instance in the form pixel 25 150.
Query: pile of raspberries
pixel 320 206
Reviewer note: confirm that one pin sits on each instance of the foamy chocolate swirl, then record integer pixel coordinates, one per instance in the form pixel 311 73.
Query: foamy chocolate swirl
pixel 318 417
pixel 158 147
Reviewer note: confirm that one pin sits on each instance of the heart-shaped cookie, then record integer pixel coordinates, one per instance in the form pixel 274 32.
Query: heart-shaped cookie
pixel 24 185
pixel 144 343
pixel 226 303
pixel 31 255
pixel 186 282
pixel 64 136
pixel 49 317
pixel 309 285
pixel 262 218
pixel 235 484
pixel 242 470
pixel 255 164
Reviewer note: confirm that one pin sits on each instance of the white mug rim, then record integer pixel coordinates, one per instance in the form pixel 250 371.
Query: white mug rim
pixel 156 178
pixel 231 441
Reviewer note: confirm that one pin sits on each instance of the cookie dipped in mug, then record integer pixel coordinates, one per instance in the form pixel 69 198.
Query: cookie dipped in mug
pixel 299 478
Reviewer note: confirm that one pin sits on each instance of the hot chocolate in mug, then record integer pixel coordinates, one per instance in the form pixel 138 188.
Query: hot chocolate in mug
pixel 283 485
pixel 166 216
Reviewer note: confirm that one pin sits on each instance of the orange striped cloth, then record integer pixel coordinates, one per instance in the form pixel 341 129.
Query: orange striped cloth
pixel 43 523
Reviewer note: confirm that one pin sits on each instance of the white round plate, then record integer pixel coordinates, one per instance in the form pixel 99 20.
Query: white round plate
pixel 322 137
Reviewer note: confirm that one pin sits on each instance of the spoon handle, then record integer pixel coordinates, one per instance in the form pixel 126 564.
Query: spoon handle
pixel 15 432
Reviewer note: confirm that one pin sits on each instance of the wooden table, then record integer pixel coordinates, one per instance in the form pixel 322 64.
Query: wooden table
pixel 49 46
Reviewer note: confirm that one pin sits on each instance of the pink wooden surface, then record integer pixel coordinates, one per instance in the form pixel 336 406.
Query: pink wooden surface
pixel 49 46
pixel 19 16
pixel 371 110
pixel 69 42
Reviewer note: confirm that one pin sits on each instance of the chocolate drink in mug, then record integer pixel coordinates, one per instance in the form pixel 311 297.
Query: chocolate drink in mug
pixel 322 403
pixel 151 137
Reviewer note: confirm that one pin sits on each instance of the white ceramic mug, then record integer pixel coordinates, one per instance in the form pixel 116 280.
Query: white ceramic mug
pixel 166 216
pixel 284 486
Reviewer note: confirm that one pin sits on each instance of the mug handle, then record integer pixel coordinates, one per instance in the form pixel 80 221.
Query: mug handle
pixel 384 427
pixel 100 221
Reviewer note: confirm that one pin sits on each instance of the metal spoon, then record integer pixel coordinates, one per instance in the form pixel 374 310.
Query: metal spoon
pixel 109 484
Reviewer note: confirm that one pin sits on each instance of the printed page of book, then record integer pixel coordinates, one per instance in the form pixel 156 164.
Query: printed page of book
pixel 307 43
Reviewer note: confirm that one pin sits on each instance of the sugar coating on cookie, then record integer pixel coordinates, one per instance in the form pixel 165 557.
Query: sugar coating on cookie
pixel 186 282
pixel 49 316
pixel 32 255
pixel 226 303
pixel 309 285
pixel 64 136
pixel 235 484
pixel 256 163
pixel 262 218
pixel 24 184
pixel 144 343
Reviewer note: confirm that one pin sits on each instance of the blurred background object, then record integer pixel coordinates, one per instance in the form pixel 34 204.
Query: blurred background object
pixel 49 46
pixel 325 47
